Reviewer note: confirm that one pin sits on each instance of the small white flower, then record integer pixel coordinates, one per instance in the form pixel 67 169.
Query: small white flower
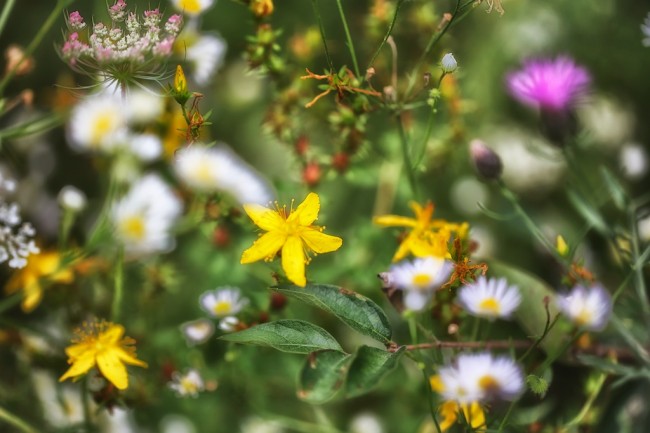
pixel 366 423
pixel 645 29
pixel 188 384
pixel 481 376
pixel 146 147
pixel 98 123
pixel 419 278
pixel 72 199
pixel 144 107
pixel 490 298
pixel 143 218
pixel 633 161
pixel 197 331
pixel 228 324
pixel 192 7
pixel 223 301
pixel 644 228
pixel 206 56
pixel 448 63
pixel 587 307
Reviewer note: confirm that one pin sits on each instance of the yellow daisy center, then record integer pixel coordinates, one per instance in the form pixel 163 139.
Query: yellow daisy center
pixel 584 318
pixel 490 305
pixel 191 6
pixel 102 126
pixel 203 172
pixel 421 280
pixel 134 227
pixel 189 386
pixel 488 383
pixel 222 308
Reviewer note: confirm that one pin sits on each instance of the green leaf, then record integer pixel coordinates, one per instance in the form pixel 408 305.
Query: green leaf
pixel 531 313
pixel 323 375
pixel 292 336
pixel 357 311
pixel 606 366
pixel 537 385
pixel 369 366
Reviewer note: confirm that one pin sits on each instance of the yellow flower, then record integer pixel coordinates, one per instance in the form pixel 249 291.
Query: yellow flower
pixel 561 246
pixel 180 82
pixel 449 410
pixel 102 344
pixel 427 237
pixel 40 267
pixel 293 233
pixel 262 8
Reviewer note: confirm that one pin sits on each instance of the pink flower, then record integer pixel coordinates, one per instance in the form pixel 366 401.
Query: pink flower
pixel 549 84
pixel 76 21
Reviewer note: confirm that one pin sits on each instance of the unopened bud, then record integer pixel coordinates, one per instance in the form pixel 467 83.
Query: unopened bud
pixel 340 162
pixel 278 301
pixel 448 63
pixel 262 8
pixel 487 163
pixel 221 236
pixel 17 61
pixel 312 174
pixel 72 199
pixel 370 72
pixel 229 324
pixel 302 144
pixel 390 95
pixel 180 93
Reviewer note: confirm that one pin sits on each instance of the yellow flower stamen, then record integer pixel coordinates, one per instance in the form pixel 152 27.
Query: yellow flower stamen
pixel 490 305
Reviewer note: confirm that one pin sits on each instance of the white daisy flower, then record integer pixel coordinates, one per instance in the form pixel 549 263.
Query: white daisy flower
pixel 192 7
pixel 197 331
pixel 206 56
pixel 228 324
pixel 223 301
pixel 188 384
pixel 587 307
pixel 143 107
pixel 144 216
pixel 145 147
pixel 419 278
pixel 211 169
pixel 490 298
pixel 481 376
pixel 98 123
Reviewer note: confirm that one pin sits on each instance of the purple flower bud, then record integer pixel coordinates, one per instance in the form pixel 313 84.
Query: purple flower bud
pixel 487 163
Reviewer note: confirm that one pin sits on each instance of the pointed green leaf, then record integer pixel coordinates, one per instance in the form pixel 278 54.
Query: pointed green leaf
pixel 531 313
pixel 369 366
pixel 323 375
pixel 357 311
pixel 292 336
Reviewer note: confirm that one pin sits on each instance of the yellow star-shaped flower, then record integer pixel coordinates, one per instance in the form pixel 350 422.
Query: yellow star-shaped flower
pixel 292 233
pixel 102 344
pixel 450 410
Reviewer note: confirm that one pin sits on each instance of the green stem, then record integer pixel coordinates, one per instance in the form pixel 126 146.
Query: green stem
pixel 505 418
pixel 119 286
pixel 551 358
pixel 475 328
pixel 406 156
pixel 10 302
pixel 49 22
pixel 430 398
pixel 6 11
pixel 630 339
pixel 15 421
pixel 388 33
pixel 85 404
pixel 322 34
pixel 590 401
pixel 353 54
pixel 641 290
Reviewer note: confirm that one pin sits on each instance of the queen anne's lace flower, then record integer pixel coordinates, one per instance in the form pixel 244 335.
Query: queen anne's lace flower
pixel 16 237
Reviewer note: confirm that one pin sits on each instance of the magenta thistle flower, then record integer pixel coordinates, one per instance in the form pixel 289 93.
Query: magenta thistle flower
pixel 549 84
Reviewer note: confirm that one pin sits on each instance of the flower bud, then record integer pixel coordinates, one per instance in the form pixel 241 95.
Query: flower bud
pixel 72 199
pixel 487 163
pixel 448 63
pixel 560 127
pixel 179 91
pixel 262 8
pixel 312 174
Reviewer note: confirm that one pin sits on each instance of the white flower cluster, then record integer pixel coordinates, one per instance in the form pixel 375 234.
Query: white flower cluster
pixel 188 384
pixel 16 237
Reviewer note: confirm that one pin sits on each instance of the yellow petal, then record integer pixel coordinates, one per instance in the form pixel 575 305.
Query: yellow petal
pixel 264 218
pixel 307 212
pixel 33 296
pixel 293 261
pixel 264 247
pixel 112 368
pixel 112 335
pixel 80 366
pixel 474 415
pixel 77 350
pixel 436 384
pixel 449 412
pixel 46 263
pixel 403 250
pixel 128 358
pixel 320 242
pixel 394 221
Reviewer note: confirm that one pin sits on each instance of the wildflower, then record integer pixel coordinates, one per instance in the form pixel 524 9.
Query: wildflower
pixel 490 298
pixel 102 344
pixel 212 169
pixel 45 266
pixel 179 89
pixel 205 54
pixel 450 409
pixel 633 160
pixel 293 233
pixel 143 218
pixel 645 29
pixel 197 331
pixel 549 84
pixel 419 279
pixel 587 307
pixel 72 199
pixel 192 7
pixel 366 422
pixel 229 324
pixel 16 238
pixel 188 384
pixel 478 377
pixel 448 63
pixel 487 163
pixel 143 107
pixel 427 237
pixel 129 48
pixel 98 123
pixel 561 246
pixel 223 301
pixel 145 147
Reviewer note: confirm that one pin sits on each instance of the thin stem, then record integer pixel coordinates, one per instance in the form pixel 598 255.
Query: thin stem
pixel 322 34
pixel 6 11
pixel 430 398
pixel 494 344
pixel 15 421
pixel 590 401
pixel 639 285
pixel 406 156
pixel 353 54
pixel 388 33
pixel 85 404
pixel 505 418
pixel 49 22
pixel 119 286
pixel 630 339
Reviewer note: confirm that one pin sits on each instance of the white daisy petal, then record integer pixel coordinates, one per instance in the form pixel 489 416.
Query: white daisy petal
pixel 587 307
pixel 490 298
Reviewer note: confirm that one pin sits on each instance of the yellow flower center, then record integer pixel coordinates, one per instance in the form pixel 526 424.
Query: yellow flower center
pixel 222 308
pixel 203 172
pixel 488 383
pixel 584 318
pixel 191 6
pixel 421 280
pixel 189 386
pixel 490 305
pixel 102 126
pixel 134 227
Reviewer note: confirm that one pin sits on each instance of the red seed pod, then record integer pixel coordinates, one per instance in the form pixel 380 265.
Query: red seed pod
pixel 302 144
pixel 312 174
pixel 278 302
pixel 340 162
pixel 221 236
